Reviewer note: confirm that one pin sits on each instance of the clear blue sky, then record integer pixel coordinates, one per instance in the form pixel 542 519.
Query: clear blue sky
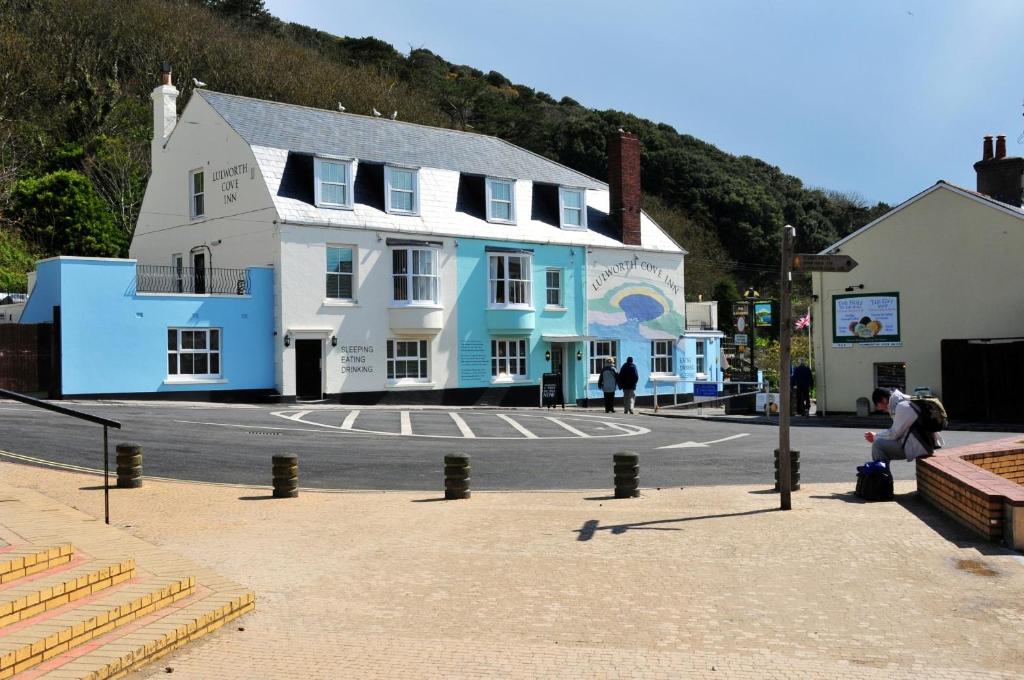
pixel 878 97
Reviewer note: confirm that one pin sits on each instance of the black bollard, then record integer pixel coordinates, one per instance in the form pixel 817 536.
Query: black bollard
pixel 286 475
pixel 456 476
pixel 129 466
pixel 794 470
pixel 627 474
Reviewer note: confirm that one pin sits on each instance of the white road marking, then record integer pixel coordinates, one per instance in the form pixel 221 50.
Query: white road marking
pixel 628 429
pixel 463 427
pixel 350 420
pixel 696 445
pixel 297 416
pixel 406 424
pixel 522 430
pixel 567 426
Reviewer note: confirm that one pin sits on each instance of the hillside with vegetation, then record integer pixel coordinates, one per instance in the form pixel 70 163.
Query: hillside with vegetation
pixel 75 124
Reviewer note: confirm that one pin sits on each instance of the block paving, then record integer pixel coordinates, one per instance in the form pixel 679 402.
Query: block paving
pixel 701 582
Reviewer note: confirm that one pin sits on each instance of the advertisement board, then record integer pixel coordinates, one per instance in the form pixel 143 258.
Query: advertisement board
pixel 763 314
pixel 866 319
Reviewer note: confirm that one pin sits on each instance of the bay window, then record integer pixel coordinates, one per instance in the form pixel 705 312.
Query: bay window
pixel 414 275
pixel 509 279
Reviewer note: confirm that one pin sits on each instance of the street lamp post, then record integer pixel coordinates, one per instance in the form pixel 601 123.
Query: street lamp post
pixel 750 294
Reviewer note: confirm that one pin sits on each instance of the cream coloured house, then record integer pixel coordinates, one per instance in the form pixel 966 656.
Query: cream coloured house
pixel 935 302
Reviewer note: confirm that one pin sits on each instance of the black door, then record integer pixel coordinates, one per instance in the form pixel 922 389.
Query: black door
pixel 307 369
pixel 199 273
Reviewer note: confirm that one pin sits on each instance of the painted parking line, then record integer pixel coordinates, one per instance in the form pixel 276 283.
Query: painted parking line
pixel 522 430
pixel 461 424
pixel 350 420
pixel 599 427
pixel 567 426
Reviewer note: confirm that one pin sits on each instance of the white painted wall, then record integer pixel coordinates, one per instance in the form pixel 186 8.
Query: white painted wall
pixel 305 313
pixel 239 232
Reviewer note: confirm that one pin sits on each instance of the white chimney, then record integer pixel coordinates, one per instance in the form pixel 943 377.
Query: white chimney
pixel 165 108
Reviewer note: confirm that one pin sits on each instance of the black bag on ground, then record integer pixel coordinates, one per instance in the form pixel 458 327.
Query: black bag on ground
pixel 874 481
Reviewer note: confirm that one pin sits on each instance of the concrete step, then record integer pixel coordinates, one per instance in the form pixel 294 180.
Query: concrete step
pixel 27 597
pixel 20 561
pixel 50 634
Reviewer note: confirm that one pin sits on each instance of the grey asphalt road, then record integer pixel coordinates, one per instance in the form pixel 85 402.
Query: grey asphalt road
pixel 384 449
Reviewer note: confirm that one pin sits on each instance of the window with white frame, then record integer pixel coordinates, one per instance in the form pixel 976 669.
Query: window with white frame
pixel 699 354
pixel 193 353
pixel 408 360
pixel 553 287
pixel 600 352
pixel 333 178
pixel 178 262
pixel 509 278
pixel 572 208
pixel 661 356
pixel 414 275
pixel 402 195
pixel 508 359
pixel 340 272
pixel 197 194
pixel 501 200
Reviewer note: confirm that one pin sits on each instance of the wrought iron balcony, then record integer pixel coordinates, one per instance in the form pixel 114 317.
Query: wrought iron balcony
pixel 191 281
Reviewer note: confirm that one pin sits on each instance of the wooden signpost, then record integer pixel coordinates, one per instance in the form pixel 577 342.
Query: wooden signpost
pixel 799 262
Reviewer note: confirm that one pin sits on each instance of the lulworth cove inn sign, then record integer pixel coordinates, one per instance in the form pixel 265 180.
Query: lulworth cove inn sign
pixel 228 180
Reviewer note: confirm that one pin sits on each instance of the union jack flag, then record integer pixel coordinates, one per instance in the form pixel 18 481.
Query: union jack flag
pixel 803 322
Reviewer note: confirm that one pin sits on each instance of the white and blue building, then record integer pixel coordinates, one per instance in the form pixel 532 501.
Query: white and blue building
pixel 367 260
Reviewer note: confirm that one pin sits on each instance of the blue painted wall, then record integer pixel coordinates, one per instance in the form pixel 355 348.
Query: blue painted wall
pixel 476 325
pixel 115 340
pixel 683 361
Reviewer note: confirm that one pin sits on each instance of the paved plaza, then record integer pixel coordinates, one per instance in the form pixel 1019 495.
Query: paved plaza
pixel 702 582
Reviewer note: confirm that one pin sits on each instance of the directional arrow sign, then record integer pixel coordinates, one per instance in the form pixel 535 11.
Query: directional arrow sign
pixel 807 262
pixel 698 445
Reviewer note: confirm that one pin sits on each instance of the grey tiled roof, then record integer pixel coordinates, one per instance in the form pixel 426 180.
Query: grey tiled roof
pixel 308 130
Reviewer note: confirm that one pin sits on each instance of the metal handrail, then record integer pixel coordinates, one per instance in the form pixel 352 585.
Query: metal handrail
pixel 63 410
pixel 151 278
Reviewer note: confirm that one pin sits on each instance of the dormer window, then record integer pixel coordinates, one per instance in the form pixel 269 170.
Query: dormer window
pixel 333 178
pixel 572 208
pixel 501 200
pixel 402 194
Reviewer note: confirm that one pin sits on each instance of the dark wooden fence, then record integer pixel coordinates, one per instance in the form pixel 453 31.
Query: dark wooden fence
pixel 26 357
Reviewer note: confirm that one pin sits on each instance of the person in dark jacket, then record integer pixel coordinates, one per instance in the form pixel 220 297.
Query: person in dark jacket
pixel 802 381
pixel 608 381
pixel 628 378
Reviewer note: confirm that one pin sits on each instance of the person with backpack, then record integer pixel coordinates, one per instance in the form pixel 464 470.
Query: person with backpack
pixel 628 378
pixel 915 426
pixel 607 382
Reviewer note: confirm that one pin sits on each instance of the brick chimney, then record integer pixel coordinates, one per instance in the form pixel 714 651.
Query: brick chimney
pixel 998 176
pixel 624 185
pixel 165 108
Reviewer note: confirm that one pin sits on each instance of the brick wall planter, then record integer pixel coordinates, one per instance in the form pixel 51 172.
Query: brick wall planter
pixel 980 487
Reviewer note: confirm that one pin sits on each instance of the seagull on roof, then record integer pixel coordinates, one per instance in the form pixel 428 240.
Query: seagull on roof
pixel 341 108
pixel 198 83
pixel 376 112
pixel 394 115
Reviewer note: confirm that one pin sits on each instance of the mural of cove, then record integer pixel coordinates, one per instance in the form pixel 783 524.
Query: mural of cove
pixel 634 311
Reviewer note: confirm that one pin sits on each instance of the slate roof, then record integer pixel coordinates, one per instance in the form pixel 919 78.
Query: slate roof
pixel 308 130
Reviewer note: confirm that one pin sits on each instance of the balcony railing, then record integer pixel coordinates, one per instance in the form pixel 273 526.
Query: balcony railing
pixel 191 281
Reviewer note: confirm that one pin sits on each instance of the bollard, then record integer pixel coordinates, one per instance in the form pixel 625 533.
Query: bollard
pixel 794 470
pixel 456 476
pixel 627 474
pixel 286 475
pixel 129 466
